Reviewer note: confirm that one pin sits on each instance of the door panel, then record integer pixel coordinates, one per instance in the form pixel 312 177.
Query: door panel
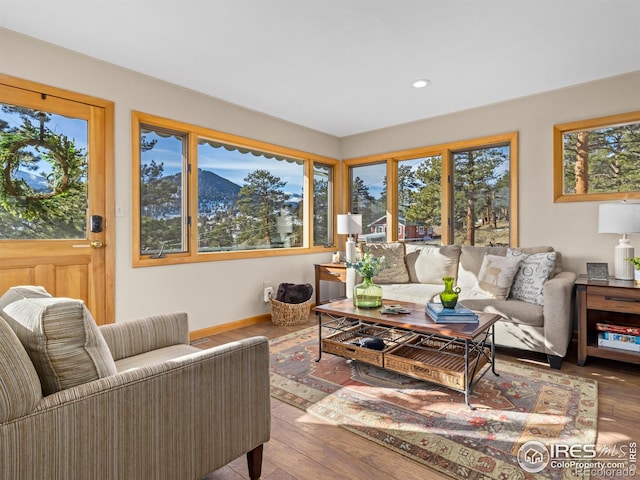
pixel 49 243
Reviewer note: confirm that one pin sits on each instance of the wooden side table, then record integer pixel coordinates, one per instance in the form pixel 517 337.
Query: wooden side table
pixel 616 302
pixel 330 272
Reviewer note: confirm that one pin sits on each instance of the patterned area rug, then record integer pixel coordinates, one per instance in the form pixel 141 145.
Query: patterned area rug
pixel 432 424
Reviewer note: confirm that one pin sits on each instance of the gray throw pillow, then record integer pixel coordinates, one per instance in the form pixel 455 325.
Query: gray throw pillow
pixel 534 271
pixel 496 275
pixel 395 270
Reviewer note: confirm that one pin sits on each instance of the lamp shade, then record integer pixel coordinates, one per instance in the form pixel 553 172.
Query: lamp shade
pixel 349 223
pixel 622 217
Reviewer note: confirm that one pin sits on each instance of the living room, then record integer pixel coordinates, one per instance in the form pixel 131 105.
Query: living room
pixel 204 289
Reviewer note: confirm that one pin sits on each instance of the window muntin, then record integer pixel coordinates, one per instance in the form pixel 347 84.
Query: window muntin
pixel 368 196
pixel 419 200
pixel 224 227
pixel 481 203
pixel 248 199
pixel 163 191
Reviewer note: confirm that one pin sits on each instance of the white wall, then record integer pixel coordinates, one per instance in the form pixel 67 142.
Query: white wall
pixel 571 228
pixel 212 292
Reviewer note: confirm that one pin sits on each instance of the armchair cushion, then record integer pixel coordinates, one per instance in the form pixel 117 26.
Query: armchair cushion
pixel 20 389
pixel 62 340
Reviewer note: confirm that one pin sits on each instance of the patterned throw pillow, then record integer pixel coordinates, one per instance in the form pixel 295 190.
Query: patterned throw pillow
pixel 534 271
pixel 61 339
pixel 496 275
pixel 396 269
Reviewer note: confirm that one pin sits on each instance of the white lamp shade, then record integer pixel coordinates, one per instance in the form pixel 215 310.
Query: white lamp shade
pixel 349 223
pixel 619 218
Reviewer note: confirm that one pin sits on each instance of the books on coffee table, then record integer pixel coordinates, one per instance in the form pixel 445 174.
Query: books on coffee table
pixel 460 314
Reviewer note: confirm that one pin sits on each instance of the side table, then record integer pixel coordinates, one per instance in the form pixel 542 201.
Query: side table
pixel 330 272
pixel 613 301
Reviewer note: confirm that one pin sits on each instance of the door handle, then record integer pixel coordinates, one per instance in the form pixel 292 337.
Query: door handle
pixel 97 244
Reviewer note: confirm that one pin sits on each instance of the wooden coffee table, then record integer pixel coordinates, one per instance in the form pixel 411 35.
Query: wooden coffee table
pixel 452 355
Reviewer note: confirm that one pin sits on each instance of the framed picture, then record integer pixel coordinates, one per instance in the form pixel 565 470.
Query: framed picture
pixel 598 271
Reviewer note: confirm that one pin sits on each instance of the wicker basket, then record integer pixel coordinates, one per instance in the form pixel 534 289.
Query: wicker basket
pixel 285 314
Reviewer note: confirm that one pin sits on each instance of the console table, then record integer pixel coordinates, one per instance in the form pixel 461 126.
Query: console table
pixel 451 355
pixel 613 301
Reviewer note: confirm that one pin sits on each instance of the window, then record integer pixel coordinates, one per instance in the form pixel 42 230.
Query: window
pixel 462 193
pixel 597 159
pixel 481 196
pixel 205 195
pixel 368 195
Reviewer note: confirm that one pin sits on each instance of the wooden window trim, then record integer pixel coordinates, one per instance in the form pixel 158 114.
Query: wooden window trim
pixel 445 150
pixel 558 158
pixel 194 132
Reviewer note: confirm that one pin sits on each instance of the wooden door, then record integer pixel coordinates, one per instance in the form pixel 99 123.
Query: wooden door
pixel 55 193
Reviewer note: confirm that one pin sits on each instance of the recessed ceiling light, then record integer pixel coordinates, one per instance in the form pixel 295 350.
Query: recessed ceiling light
pixel 423 82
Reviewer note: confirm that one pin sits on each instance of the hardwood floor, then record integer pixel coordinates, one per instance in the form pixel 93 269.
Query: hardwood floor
pixel 303 447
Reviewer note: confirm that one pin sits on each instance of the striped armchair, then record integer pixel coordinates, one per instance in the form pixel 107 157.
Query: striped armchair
pixel 169 411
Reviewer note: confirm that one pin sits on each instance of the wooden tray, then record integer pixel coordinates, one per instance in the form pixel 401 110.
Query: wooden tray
pixel 430 362
pixel 344 343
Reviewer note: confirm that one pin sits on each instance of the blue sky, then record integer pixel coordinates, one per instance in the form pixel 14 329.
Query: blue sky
pixel 232 165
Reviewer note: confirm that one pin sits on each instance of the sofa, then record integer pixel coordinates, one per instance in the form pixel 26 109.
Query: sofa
pixel 128 400
pixel 527 287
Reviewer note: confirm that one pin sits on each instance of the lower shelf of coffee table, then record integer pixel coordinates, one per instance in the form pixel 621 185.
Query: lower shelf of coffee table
pixel 436 359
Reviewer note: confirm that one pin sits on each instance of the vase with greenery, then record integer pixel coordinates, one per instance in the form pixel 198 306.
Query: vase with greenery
pixel 635 261
pixel 367 294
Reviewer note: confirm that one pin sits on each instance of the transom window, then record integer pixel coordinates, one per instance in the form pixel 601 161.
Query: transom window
pixel 207 195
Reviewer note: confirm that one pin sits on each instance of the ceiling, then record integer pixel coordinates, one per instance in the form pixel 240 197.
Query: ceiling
pixel 346 66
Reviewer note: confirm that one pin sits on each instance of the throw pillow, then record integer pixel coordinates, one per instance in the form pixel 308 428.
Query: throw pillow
pixel 18 293
pixel 496 275
pixel 62 340
pixel 395 270
pixel 534 271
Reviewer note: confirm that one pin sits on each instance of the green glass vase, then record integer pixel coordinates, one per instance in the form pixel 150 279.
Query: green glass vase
pixel 367 294
pixel 449 297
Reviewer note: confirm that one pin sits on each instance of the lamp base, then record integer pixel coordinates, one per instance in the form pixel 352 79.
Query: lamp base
pixel 624 270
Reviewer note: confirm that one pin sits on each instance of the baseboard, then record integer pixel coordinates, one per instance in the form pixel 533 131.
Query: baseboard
pixel 225 327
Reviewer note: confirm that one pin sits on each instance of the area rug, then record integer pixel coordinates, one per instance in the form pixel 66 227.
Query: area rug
pixel 431 424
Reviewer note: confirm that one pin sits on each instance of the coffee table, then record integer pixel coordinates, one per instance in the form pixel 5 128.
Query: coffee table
pixel 451 354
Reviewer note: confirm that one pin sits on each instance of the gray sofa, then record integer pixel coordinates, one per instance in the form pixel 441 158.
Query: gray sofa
pixel 541 323
pixel 126 400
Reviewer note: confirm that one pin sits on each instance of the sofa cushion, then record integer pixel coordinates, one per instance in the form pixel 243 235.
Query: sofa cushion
pixel 395 270
pixel 429 264
pixel 496 275
pixel 20 388
pixel 62 340
pixel 412 292
pixel 511 310
pixel 535 269
pixel 471 259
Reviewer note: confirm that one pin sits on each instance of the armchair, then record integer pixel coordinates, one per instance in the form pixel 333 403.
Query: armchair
pixel 171 411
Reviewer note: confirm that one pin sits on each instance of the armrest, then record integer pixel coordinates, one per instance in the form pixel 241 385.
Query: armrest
pixel 558 299
pixel 133 337
pixel 178 419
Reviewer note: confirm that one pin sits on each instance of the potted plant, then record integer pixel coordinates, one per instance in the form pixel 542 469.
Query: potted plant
pixel 635 261
pixel 367 294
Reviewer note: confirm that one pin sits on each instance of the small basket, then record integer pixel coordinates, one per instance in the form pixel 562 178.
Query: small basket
pixel 286 314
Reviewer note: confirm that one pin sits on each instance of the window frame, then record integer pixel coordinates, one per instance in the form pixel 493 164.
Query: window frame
pixel 559 196
pixel 193 133
pixel 446 151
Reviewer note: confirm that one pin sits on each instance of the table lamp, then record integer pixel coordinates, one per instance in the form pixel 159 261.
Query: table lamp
pixel 350 224
pixel 622 218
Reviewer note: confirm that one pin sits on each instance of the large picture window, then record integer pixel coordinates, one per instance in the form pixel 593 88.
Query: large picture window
pixel 205 195
pixel 461 193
